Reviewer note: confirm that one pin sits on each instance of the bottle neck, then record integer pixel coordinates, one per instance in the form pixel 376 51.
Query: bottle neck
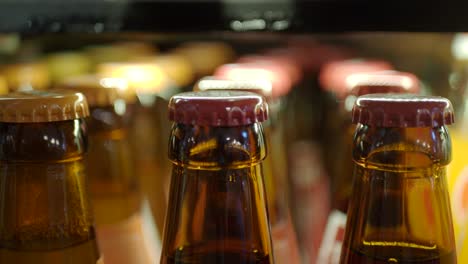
pixel 43 142
pixel 217 147
pixel 43 194
pixel 399 193
pixel 402 147
pixel 217 186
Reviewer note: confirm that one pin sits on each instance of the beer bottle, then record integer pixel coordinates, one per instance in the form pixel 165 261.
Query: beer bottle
pixel 309 181
pixel 148 81
pixel 399 210
pixel 45 213
pixel 217 209
pixel 358 84
pixel 285 246
pixel 125 226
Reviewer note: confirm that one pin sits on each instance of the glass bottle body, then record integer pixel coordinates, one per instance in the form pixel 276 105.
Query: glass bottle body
pixel 45 212
pixel 399 194
pixel 217 211
pixel 124 223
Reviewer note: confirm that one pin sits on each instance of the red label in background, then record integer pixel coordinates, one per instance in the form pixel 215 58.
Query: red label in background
pixel 330 249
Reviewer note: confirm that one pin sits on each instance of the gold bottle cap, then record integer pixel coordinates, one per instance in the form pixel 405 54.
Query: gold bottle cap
pixel 65 64
pixel 177 67
pixel 205 57
pixel 120 51
pixel 143 78
pixel 100 92
pixel 27 76
pixel 42 106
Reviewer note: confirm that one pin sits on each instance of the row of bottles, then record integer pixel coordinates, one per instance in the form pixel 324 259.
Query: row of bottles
pixel 229 189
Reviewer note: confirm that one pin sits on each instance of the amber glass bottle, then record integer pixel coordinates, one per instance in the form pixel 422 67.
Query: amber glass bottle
pixel 342 82
pixel 149 81
pixel 362 84
pixel 217 209
pixel 45 214
pixel 125 226
pixel 284 240
pixel 400 207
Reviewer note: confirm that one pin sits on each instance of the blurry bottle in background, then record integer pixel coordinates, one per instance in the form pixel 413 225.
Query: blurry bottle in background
pixel 147 135
pixel 217 209
pixel 357 84
pixel 26 76
pixel 457 172
pixel 154 86
pixel 334 80
pixel 303 119
pixel 400 206
pixel 46 217
pixel 125 225
pixel 65 64
pixel 285 246
pixel 205 57
pixel 177 67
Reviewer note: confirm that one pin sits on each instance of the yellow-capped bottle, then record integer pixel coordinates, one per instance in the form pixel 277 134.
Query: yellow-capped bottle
pixel 217 208
pixel 45 212
pixel 399 210
pixel 154 83
pixel 124 223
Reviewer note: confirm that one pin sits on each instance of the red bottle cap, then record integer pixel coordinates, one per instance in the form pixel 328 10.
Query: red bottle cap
pixel 334 75
pixel 382 82
pixel 210 83
pixel 279 78
pixel 402 110
pixel 218 108
pixel 287 63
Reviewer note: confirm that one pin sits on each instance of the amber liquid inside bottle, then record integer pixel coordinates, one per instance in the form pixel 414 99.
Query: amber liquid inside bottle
pixel 125 231
pixel 400 209
pixel 45 216
pixel 217 211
